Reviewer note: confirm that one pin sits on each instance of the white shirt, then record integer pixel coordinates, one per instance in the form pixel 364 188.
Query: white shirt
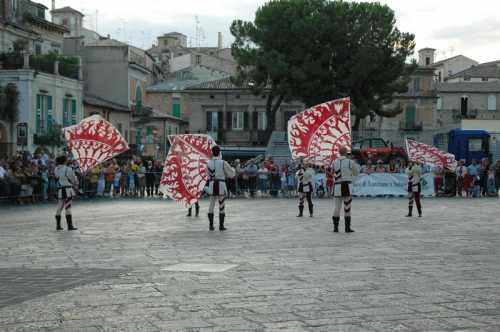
pixel 2 172
pixel 65 176
pixel 345 169
pixel 219 169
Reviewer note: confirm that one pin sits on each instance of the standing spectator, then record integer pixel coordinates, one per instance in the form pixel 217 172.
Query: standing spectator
pixel 438 179
pixel 274 179
pixel 158 169
pixel 150 178
pixel 483 176
pixel 237 178
pixel 109 177
pixel 133 169
pixel 497 174
pixel 491 188
pixel 263 179
pixel 101 183
pixel 251 171
pixel 141 179
pixel 117 179
pixel 44 177
pixel 473 172
pixel 329 180
pixel 93 179
pixel 461 172
pixel 124 179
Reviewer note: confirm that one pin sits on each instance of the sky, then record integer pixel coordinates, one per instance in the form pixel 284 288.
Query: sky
pixel 452 27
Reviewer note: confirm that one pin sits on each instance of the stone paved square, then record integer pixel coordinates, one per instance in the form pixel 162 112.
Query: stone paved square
pixel 438 273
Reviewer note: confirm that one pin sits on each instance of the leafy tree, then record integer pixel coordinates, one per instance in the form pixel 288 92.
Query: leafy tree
pixel 317 50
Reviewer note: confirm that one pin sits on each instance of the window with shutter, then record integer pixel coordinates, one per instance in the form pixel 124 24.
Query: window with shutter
pixel 492 103
pixel 73 112
pixel 65 119
pixel 255 120
pixel 49 112
pixel 209 121
pixel 176 107
pixel 246 121
pixel 262 121
pixel 238 122
pixel 229 120
pixel 38 114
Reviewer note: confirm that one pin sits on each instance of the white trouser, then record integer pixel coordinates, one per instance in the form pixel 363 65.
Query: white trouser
pixel 338 202
pixel 222 206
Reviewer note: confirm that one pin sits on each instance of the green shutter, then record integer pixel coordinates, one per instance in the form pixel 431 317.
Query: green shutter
pixel 38 113
pixel 65 113
pixel 149 135
pixel 73 111
pixel 411 115
pixel 49 113
pixel 138 136
pixel 176 107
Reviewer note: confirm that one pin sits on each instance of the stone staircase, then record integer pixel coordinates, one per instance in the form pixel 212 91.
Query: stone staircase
pixel 278 147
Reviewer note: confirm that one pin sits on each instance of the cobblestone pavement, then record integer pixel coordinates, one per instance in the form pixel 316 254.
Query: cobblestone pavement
pixel 119 272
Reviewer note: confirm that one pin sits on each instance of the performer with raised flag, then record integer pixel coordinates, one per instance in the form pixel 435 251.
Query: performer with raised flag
pixel 66 181
pixel 414 172
pixel 305 177
pixel 344 169
pixel 218 171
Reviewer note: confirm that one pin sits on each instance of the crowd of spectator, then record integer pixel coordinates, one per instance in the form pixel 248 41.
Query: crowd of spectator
pixel 29 178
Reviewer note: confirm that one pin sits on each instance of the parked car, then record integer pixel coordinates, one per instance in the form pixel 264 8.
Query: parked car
pixel 376 149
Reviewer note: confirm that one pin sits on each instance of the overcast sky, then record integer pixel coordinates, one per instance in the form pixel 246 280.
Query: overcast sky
pixel 451 26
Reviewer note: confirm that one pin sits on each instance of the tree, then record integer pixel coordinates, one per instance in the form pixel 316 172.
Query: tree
pixel 270 51
pixel 317 50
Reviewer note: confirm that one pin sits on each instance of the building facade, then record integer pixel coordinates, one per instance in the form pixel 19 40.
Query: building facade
pixel 50 90
pixel 417 119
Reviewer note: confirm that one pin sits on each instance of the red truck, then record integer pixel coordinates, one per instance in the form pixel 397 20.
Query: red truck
pixel 376 149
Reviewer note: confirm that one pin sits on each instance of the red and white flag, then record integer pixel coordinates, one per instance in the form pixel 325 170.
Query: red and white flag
pixel 317 134
pixel 184 174
pixel 93 141
pixel 429 155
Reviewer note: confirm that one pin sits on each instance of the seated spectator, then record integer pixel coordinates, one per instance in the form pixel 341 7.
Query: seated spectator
pixel 393 166
pixel 380 168
pixel 368 168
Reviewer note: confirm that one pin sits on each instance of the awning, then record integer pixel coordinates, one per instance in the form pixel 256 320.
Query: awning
pixel 242 152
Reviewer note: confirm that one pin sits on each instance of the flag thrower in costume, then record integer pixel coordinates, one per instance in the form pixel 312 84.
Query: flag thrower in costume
pixel 429 155
pixel 185 174
pixel 317 134
pixel 94 141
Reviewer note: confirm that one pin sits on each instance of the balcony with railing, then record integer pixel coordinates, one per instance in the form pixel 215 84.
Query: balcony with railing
pixel 47 63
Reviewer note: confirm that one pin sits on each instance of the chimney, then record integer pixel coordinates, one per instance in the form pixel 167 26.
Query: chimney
pixel 219 43
pixel 53 4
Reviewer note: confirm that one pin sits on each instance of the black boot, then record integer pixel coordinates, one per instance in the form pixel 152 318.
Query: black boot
pixel 197 210
pixel 69 221
pixel 410 211
pixel 189 212
pixel 211 221
pixel 221 222
pixel 311 210
pixel 336 221
pixel 58 223
pixel 419 209
pixel 301 212
pixel 348 225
